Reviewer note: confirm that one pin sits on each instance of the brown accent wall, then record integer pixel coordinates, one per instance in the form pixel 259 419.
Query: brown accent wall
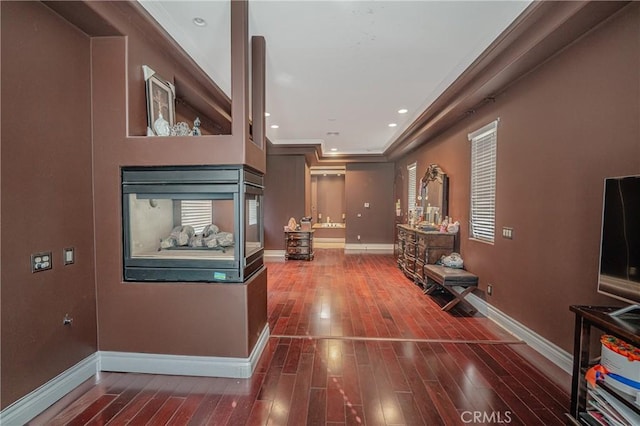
pixel 46 197
pixel 167 318
pixel 66 133
pixel 284 196
pixel 370 183
pixel 563 129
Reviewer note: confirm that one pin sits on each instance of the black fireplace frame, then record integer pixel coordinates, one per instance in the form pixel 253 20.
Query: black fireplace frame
pixel 204 182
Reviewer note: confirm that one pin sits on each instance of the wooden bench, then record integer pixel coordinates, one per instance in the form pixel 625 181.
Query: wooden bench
pixel 438 276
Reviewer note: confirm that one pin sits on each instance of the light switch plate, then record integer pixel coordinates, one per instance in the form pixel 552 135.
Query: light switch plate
pixel 507 233
pixel 41 261
pixel 69 255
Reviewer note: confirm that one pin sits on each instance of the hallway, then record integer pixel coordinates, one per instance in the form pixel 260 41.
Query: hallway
pixel 352 342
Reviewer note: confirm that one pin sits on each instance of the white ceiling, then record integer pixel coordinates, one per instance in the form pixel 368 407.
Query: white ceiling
pixel 344 66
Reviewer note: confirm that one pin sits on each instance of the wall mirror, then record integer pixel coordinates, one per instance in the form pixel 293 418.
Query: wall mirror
pixel 434 195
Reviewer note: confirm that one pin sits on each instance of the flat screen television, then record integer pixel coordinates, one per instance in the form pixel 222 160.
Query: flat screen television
pixel 619 274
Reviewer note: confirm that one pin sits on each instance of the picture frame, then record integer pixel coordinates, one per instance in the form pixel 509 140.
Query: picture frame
pixel 161 95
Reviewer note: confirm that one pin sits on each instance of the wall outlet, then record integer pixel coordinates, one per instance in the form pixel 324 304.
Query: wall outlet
pixel 490 289
pixel 41 261
pixel 358 237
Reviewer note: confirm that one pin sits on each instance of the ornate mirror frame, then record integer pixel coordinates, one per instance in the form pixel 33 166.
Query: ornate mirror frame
pixel 434 176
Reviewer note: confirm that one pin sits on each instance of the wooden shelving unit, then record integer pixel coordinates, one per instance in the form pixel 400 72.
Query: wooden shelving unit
pixel 587 318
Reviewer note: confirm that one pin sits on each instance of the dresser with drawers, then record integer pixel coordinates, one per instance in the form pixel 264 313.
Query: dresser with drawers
pixel 298 245
pixel 417 248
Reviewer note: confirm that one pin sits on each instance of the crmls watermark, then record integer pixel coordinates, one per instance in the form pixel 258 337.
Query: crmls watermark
pixel 486 417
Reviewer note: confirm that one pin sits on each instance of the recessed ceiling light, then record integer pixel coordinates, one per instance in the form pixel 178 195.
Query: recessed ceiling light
pixel 274 126
pixel 267 114
pixel 403 111
pixel 334 149
pixel 199 22
pixel 392 124
pixel 333 133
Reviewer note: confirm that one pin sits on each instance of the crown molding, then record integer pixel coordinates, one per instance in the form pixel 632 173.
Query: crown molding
pixel 543 30
pixel 314 155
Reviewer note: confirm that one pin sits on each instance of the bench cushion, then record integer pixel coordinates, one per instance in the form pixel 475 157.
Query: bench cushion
pixel 450 276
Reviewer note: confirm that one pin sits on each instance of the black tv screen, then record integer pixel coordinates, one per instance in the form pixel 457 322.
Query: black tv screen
pixel 620 239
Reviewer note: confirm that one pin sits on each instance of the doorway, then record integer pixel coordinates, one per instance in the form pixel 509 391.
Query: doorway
pixel 328 207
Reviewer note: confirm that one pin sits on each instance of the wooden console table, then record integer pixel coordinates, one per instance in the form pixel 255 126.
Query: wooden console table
pixel 418 248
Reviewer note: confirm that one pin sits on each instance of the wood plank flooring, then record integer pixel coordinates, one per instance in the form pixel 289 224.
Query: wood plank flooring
pixel 353 343
pixel 341 295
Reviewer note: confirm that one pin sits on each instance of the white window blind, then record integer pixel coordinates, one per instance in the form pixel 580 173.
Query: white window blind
pixel 253 212
pixel 483 182
pixel 196 213
pixel 411 188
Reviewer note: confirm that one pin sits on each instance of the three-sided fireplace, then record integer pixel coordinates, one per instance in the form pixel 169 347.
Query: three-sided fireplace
pixel 192 223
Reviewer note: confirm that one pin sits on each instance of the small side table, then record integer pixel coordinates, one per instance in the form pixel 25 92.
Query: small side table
pixel 298 245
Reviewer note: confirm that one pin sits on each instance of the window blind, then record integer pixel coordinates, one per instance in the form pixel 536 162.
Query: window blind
pixel 196 213
pixel 411 188
pixel 483 182
pixel 253 212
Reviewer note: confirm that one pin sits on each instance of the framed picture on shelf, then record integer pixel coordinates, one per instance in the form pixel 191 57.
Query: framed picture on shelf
pixel 161 96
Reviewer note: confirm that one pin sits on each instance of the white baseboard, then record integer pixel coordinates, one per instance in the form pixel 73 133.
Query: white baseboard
pixel 274 255
pixel 371 248
pixel 549 350
pixel 35 402
pixel 184 365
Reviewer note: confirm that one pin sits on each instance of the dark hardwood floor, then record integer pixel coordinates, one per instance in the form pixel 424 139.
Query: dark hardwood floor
pixel 353 342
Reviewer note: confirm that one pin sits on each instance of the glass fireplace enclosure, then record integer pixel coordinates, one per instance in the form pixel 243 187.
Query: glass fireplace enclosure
pixel 192 223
